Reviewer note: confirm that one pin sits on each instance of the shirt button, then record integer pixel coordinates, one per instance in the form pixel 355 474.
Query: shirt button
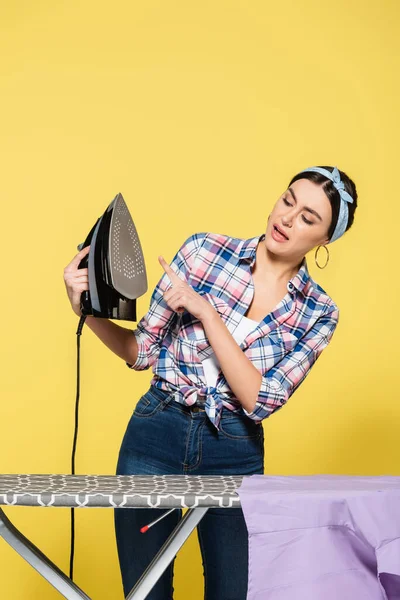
pixel 290 286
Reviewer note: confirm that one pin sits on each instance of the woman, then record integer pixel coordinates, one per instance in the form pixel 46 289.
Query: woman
pixel 233 328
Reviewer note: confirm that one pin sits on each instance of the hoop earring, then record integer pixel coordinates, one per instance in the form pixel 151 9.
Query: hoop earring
pixel 316 252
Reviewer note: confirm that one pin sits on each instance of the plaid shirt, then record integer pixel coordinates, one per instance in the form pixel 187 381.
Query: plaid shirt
pixel 283 346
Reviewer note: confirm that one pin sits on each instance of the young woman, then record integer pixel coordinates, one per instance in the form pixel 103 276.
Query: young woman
pixel 233 328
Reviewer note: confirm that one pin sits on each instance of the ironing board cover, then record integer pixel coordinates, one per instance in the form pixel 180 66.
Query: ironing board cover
pixel 322 536
pixel 124 491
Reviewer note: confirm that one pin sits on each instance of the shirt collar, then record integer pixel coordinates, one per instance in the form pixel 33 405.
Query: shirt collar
pixel 247 250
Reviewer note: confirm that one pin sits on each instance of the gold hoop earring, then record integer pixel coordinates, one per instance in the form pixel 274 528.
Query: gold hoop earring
pixel 316 252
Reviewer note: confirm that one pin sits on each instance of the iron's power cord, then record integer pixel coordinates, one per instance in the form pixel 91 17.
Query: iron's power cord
pixel 78 334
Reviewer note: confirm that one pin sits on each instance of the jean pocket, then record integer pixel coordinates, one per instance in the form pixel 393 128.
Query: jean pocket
pixel 148 405
pixel 238 427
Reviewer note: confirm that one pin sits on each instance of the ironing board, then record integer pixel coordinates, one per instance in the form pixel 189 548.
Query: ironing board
pixel 197 493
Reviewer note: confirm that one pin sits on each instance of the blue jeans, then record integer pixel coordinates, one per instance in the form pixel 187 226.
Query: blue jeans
pixel 164 437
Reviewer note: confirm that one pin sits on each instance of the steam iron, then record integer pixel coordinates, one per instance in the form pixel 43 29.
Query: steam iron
pixel 116 268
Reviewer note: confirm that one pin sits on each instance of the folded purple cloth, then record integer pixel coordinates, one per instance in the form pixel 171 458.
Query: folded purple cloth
pixel 322 537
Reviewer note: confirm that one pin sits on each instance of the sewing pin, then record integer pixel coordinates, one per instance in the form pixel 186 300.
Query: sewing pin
pixel 147 527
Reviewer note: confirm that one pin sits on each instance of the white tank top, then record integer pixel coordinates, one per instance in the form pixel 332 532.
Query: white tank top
pixel 211 364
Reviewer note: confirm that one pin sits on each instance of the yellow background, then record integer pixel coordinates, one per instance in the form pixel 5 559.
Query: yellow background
pixel 199 113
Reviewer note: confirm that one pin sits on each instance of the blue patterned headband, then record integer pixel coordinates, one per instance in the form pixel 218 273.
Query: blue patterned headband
pixel 344 199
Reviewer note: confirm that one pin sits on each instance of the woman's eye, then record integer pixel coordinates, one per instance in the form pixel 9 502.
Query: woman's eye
pixel 303 217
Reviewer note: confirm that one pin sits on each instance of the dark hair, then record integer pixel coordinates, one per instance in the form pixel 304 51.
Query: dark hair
pixel 332 194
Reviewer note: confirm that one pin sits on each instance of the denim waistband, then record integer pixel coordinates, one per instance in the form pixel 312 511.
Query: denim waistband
pixel 163 394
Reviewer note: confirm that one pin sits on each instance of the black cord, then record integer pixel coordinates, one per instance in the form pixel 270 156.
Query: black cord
pixel 78 333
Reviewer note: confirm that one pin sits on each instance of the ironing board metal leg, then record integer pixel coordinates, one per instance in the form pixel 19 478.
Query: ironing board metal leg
pixel 38 560
pixel 166 553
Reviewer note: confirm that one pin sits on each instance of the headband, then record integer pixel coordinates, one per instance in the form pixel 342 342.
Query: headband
pixel 344 199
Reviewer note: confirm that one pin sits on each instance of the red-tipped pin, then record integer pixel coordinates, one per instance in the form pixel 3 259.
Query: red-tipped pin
pixel 147 527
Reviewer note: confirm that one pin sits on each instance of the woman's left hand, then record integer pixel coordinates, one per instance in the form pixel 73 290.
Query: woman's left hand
pixel 182 296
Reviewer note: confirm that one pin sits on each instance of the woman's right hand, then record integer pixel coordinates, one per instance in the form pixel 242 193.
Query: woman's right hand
pixel 76 280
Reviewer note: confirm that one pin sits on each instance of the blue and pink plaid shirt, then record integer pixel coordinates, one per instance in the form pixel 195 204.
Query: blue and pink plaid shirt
pixel 283 346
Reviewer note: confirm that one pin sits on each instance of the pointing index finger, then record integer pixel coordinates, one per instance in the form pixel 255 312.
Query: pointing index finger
pixel 169 271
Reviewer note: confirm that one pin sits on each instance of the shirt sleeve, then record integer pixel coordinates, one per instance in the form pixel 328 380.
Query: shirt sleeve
pixel 279 383
pixel 153 326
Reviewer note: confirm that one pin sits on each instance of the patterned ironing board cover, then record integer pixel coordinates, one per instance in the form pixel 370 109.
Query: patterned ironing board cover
pixel 121 491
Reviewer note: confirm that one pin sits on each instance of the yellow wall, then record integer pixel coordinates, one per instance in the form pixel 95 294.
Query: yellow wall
pixel 199 113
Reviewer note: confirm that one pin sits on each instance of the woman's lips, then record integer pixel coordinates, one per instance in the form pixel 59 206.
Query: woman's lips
pixel 279 237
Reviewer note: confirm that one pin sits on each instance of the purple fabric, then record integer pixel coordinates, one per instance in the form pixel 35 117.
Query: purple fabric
pixel 330 537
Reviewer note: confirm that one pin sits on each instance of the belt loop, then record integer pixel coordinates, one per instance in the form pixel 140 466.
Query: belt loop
pixel 163 396
pixel 167 399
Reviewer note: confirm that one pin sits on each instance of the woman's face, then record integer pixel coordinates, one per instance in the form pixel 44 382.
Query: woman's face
pixel 303 213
